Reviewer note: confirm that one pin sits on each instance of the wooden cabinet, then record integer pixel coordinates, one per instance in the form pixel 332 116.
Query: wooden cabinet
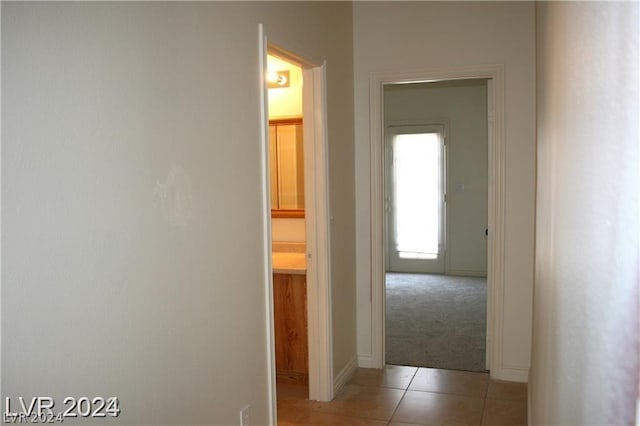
pixel 286 163
pixel 290 318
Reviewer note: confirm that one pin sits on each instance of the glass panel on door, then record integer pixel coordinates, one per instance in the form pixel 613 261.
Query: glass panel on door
pixel 416 225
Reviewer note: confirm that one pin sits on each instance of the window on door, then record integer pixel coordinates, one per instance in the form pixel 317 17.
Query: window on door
pixel 417 196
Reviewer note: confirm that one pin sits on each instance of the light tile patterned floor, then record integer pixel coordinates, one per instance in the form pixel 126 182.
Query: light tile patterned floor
pixel 399 396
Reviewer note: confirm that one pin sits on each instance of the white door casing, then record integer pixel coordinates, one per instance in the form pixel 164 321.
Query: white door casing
pixel 496 191
pixel 317 218
pixel 316 225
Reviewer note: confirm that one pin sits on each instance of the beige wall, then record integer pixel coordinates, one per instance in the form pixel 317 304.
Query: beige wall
pixel 398 36
pixel 586 331
pixel 132 220
pixel 288 230
pixel 461 106
pixel 285 102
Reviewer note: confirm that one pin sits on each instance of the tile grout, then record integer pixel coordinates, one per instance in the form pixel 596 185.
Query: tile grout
pixel 404 392
pixel 403 395
pixel 484 402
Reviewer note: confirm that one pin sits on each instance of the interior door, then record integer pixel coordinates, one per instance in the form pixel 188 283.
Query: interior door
pixel 416 198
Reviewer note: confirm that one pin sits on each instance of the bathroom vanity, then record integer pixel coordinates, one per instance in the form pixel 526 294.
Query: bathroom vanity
pixel 290 317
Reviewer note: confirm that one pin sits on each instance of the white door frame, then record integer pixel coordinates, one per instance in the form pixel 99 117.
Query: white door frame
pixel 316 223
pixel 317 216
pixel 496 188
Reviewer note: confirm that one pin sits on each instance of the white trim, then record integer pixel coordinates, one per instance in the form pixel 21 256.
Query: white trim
pixel 366 361
pixel 378 178
pixel 495 244
pixel 316 159
pixel 495 215
pixel 266 226
pixel 514 374
pixel 1 198
pixel 345 374
pixel 317 231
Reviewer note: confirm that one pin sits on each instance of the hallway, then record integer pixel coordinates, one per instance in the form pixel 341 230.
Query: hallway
pixel 401 395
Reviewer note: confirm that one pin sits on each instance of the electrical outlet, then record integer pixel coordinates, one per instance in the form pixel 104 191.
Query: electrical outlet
pixel 244 416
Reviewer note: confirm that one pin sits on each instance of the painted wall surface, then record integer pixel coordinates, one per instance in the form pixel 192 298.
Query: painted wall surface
pixel 586 315
pixel 288 230
pixel 127 143
pixel 401 36
pixel 285 102
pixel 461 106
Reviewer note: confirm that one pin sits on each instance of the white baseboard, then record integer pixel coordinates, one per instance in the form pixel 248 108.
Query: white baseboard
pixel 511 374
pixel 345 375
pixel 467 273
pixel 366 361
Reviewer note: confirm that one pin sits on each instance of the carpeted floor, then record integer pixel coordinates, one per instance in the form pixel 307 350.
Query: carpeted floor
pixel 436 321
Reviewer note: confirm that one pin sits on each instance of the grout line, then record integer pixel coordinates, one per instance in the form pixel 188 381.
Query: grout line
pixel 450 394
pixel 413 378
pixel 484 403
pixel 404 393
pixel 398 405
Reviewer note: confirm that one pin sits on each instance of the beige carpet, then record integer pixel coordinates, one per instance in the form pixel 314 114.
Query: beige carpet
pixel 436 321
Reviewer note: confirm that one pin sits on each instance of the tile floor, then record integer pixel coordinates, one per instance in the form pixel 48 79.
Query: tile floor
pixel 403 396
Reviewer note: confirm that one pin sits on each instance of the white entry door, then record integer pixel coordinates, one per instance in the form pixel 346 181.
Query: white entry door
pixel 415 200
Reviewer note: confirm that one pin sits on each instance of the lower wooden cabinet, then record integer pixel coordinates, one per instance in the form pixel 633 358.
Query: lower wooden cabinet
pixel 290 317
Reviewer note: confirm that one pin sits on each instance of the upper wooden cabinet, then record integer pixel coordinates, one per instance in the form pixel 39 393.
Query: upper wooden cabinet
pixel 286 158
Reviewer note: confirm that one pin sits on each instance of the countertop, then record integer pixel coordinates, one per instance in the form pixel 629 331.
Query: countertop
pixel 289 263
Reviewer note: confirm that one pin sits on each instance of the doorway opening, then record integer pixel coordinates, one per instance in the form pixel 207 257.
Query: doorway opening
pixel 301 185
pixel 447 258
pixel 288 239
pixel 436 167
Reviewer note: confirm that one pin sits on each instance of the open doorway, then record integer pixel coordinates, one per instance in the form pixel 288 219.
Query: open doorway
pixel 436 172
pixel 288 239
pixel 314 198
pixel 494 76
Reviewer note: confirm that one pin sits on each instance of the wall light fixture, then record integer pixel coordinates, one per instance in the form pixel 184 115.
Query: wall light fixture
pixel 277 79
